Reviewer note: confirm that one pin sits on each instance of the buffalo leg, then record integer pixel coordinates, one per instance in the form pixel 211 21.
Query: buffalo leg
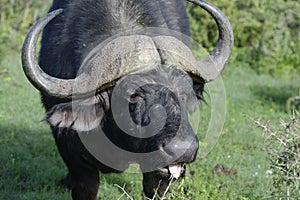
pixel 83 176
pixel 67 182
pixel 85 186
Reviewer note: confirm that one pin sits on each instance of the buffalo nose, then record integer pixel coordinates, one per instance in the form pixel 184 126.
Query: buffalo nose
pixel 182 151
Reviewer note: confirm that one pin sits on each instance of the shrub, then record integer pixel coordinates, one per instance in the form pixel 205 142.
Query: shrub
pixel 15 20
pixel 282 144
pixel 267 33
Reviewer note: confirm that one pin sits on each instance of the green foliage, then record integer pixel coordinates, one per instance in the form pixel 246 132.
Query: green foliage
pixel 16 16
pixel 283 147
pixel 267 33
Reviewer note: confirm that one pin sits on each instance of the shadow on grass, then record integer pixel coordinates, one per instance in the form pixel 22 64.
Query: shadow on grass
pixel 26 157
pixel 275 94
pixel 30 163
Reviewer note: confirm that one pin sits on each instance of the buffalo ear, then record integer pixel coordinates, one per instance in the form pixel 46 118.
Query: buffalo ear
pixel 199 89
pixel 76 116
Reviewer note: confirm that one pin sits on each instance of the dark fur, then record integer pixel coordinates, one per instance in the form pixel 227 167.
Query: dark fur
pixel 65 43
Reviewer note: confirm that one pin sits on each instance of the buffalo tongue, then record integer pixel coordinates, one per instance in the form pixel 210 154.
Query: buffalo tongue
pixel 175 170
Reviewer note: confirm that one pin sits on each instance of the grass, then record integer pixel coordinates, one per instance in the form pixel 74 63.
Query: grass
pixel 31 168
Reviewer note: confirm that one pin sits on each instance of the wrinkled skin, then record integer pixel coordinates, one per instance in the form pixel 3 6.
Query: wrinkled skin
pixel 62 51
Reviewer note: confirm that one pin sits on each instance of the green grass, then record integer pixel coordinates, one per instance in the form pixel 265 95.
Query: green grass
pixel 31 168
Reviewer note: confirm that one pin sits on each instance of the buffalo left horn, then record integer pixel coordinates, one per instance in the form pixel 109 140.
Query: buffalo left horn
pixel 45 83
pixel 108 62
pixel 211 66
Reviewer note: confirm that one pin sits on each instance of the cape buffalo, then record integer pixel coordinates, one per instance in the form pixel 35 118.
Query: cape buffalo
pixel 117 80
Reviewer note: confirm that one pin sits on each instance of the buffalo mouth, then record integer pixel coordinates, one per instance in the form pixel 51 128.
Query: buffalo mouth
pixel 173 171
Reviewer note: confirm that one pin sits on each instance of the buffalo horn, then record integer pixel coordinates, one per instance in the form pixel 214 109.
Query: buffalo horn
pixel 122 55
pixel 108 62
pixel 46 84
pixel 212 65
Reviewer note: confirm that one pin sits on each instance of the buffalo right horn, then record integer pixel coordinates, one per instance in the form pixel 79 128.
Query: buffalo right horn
pixel 211 66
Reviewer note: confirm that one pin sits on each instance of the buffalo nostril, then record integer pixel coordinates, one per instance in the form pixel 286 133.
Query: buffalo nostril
pixel 184 151
pixel 175 148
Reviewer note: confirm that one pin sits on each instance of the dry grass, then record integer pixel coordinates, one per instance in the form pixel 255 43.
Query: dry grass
pixel 282 144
